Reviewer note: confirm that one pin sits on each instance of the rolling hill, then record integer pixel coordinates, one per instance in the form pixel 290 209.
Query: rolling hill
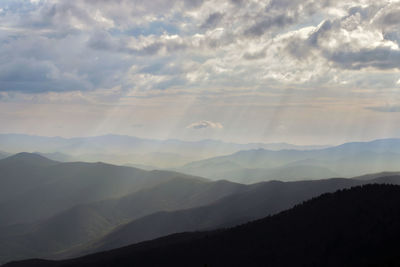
pixel 70 204
pixel 66 209
pixel 256 202
pixel 33 187
pixel 353 227
pixel 171 207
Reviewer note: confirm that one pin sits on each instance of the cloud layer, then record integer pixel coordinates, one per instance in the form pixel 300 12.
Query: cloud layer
pixel 232 55
pixel 60 45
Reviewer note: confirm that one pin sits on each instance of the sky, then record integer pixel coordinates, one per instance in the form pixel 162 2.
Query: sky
pixel 296 71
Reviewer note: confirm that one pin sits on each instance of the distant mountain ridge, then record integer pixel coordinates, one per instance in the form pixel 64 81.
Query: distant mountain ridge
pixel 347 160
pixel 120 149
pixel 353 227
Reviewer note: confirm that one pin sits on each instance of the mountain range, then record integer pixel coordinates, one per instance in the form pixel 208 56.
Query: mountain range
pixel 30 182
pixel 347 160
pixel 126 205
pixel 351 227
pixel 243 163
pixel 121 149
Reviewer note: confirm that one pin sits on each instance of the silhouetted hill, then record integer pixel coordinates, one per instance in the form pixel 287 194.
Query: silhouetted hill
pixel 72 230
pixel 353 227
pixel 185 205
pixel 33 188
pixel 257 201
pixel 28 159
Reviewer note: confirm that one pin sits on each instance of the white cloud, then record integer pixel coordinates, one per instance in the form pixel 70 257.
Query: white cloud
pixel 204 125
pixel 227 53
pixel 232 43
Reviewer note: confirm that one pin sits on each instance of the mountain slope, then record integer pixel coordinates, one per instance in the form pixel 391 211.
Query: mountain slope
pixel 175 207
pixel 20 173
pixel 258 201
pixel 33 188
pixel 354 227
pixel 73 229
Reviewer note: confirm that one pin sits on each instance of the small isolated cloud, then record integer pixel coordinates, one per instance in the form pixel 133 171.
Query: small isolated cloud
pixel 387 108
pixel 205 124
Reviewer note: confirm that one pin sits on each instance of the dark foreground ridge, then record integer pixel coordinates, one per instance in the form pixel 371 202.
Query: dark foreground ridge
pixel 354 227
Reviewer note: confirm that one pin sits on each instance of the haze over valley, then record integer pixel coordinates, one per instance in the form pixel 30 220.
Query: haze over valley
pixel 57 210
pixel 199 133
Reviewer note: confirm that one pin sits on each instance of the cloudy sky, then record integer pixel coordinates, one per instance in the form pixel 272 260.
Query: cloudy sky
pixel 299 71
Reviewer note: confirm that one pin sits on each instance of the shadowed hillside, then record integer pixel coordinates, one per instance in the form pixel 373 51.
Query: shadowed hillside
pixel 256 202
pixel 103 225
pixel 355 227
pixel 71 231
pixel 66 205
pixel 159 203
pixel 33 187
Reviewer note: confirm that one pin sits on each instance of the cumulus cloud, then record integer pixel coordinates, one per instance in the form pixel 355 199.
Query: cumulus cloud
pixel 233 57
pixel 204 125
pixel 144 45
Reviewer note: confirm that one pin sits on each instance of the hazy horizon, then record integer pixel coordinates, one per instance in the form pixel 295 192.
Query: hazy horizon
pixel 202 139
pixel 184 140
